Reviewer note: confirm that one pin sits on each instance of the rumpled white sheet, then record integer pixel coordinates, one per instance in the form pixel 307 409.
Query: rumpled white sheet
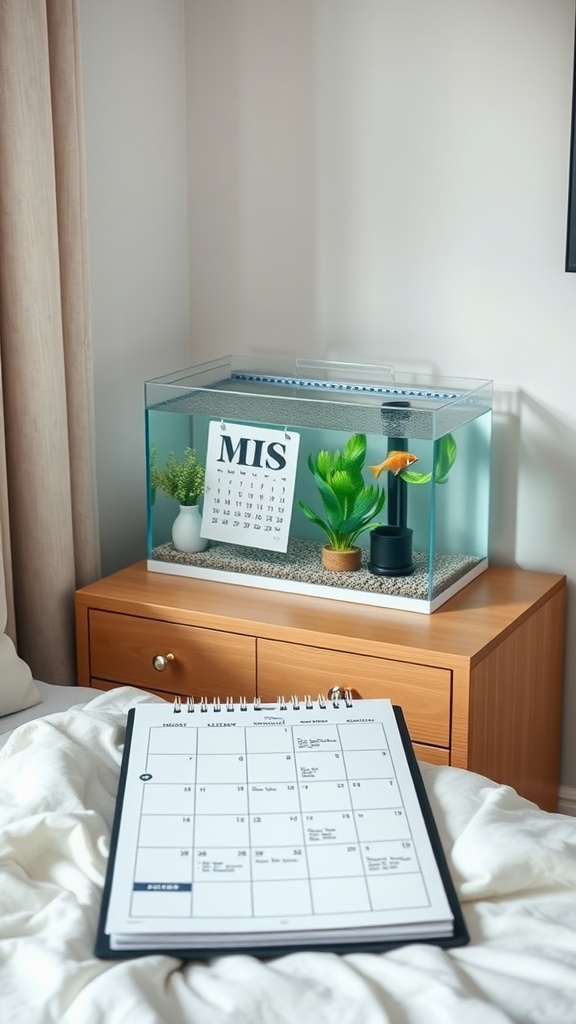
pixel 514 867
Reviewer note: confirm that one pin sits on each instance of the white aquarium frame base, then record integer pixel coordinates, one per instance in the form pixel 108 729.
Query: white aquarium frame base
pixel 407 604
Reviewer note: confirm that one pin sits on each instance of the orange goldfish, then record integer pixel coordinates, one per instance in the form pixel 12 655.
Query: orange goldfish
pixel 395 462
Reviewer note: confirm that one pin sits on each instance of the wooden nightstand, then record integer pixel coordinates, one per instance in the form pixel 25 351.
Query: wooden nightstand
pixel 480 680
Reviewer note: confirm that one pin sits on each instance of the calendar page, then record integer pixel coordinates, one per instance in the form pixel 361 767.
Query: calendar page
pixel 270 820
pixel 250 479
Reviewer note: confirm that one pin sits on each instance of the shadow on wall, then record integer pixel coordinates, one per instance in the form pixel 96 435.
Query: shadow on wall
pixel 533 462
pixel 506 419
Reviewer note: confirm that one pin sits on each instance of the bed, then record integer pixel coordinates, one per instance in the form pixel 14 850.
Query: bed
pixel 514 867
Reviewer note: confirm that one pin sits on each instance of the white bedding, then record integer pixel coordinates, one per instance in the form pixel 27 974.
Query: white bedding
pixel 514 867
pixel 52 698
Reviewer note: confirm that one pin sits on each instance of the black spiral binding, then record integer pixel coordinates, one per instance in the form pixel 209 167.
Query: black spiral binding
pixel 216 705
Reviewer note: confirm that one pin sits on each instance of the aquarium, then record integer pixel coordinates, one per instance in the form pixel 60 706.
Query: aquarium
pixel 346 481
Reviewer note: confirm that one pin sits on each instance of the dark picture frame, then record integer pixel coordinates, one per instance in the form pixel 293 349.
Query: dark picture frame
pixel 571 228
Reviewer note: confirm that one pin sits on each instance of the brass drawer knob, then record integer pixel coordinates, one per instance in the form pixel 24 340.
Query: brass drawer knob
pixel 337 693
pixel 161 661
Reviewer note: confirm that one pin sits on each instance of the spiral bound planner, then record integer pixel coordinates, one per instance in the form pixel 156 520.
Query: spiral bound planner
pixel 268 827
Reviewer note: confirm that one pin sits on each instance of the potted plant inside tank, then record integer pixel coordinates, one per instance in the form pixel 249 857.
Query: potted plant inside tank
pixel 349 504
pixel 183 480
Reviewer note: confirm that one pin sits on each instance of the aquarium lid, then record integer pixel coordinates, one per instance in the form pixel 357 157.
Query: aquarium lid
pixel 320 394
pixel 323 379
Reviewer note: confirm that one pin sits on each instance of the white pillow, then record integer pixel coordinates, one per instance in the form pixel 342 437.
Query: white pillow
pixel 17 690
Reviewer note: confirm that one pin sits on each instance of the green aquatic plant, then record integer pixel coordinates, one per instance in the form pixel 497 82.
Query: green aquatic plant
pixel 444 458
pixel 182 479
pixel 152 471
pixel 349 505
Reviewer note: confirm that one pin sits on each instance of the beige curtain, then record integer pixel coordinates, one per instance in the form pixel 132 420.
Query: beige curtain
pixel 48 515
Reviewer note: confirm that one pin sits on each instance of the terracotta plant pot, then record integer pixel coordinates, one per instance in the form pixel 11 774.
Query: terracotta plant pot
pixel 341 560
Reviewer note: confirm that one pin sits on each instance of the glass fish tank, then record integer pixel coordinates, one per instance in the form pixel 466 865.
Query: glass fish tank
pixel 345 481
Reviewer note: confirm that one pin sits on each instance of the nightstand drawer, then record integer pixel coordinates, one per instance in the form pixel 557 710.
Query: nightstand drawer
pixel 459 674
pixel 422 692
pixel 433 755
pixel 204 662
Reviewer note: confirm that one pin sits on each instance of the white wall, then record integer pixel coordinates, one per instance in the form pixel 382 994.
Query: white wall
pixel 135 99
pixel 386 180
pixel 382 180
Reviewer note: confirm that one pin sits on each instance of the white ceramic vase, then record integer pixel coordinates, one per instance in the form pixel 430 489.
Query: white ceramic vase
pixel 186 530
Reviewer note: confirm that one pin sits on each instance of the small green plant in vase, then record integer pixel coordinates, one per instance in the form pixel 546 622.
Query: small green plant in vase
pixel 349 504
pixel 184 480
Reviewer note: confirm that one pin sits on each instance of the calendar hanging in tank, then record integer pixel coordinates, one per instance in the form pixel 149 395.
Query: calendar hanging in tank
pixel 346 481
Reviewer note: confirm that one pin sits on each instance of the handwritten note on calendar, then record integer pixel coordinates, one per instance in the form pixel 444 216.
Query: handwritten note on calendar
pixel 250 480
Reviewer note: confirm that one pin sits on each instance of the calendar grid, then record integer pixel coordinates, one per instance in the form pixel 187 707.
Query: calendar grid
pixel 250 481
pixel 254 823
pixel 292 822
